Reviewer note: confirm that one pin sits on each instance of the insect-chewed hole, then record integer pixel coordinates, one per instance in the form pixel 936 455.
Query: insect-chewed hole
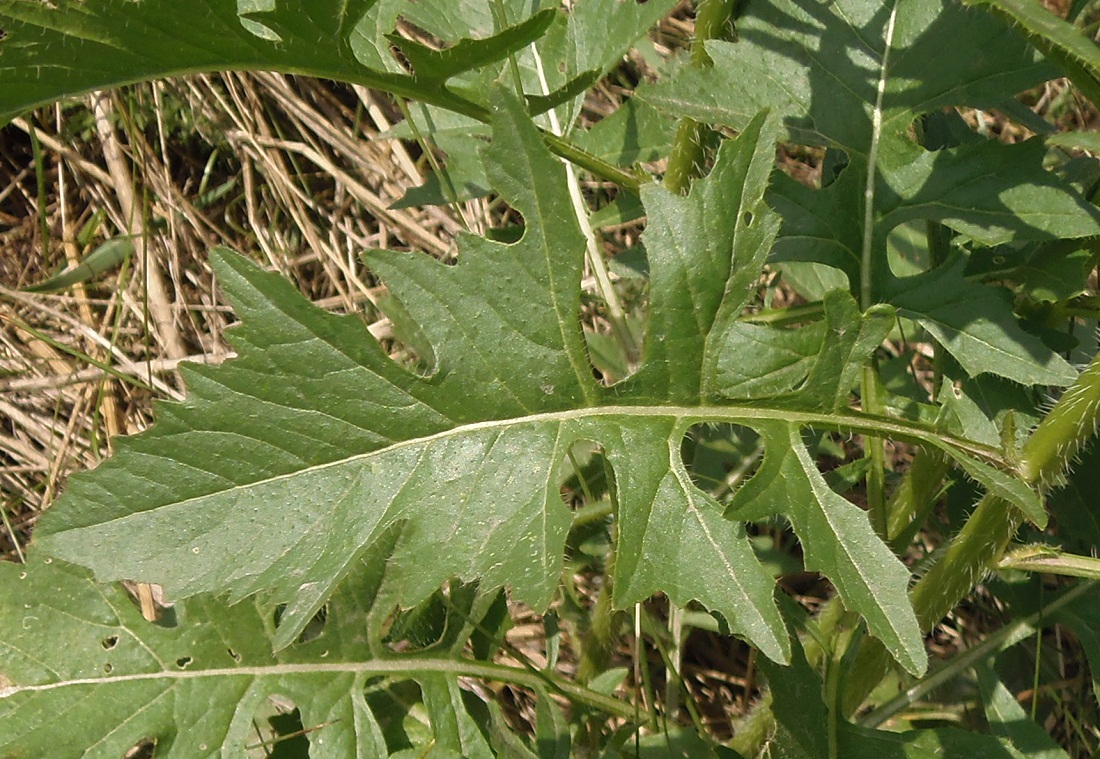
pixel 439 620
pixel 614 333
pixel 313 628
pixel 278 723
pixel 720 457
pixel 184 662
pixel 257 28
pixel 109 642
pixel 234 655
pixel 146 748
pixel 108 668
pixel 748 218
pixel 586 483
pixel 585 475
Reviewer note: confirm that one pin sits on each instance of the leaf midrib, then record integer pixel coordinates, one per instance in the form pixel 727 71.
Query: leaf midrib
pixel 407 666
pixel 683 416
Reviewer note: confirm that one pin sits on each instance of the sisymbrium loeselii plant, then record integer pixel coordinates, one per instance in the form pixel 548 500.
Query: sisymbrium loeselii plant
pixel 347 535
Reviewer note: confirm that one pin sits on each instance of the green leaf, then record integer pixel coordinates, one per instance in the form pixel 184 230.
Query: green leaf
pixel 802 727
pixel 118 42
pixel 1062 43
pixel 861 743
pixel 1075 506
pixel 814 366
pixel 286 465
pixel 455 728
pixel 313 443
pixel 870 73
pixel 975 323
pixel 83 674
pixel 467 19
pixel 1083 618
pixel 105 257
pixel 721 232
pixel 837 540
pixel 437 66
pixel 1008 720
pixel 801 717
pixel 634 132
pixel 551 729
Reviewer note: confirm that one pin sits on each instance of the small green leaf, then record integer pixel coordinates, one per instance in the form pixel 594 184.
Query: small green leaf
pixel 861 743
pixel 105 257
pixel 551 729
pixel 1008 720
pixel 976 325
pixel 635 132
pixel 814 366
pixel 437 66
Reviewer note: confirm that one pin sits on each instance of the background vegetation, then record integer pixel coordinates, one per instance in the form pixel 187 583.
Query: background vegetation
pixel 304 175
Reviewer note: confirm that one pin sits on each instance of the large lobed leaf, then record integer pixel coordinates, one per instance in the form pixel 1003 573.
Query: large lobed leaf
pixel 53 50
pixel 83 674
pixel 858 76
pixel 285 465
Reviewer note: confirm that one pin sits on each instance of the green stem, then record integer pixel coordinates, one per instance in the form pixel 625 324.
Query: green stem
pixel 408 87
pixel 986 535
pixel 915 497
pixel 405 666
pixel 871 400
pixel 1062 434
pixel 563 148
pixel 1012 633
pixel 687 159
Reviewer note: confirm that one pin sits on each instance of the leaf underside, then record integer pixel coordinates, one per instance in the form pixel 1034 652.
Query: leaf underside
pixel 312 457
pixel 283 466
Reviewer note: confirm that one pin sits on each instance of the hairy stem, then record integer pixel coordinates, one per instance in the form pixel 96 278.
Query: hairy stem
pixel 686 161
pixel 1062 434
pixel 986 535
pixel 915 497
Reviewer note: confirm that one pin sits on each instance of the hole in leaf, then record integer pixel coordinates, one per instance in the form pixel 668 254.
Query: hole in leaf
pixel 614 342
pixel 720 457
pixel 401 337
pixel 313 628
pixel 3 34
pixel 425 625
pixel 108 668
pixel 183 662
pixel 234 655
pixel 290 733
pixel 586 484
pixel 109 642
pixel 146 748
pixel 248 7
pixel 748 218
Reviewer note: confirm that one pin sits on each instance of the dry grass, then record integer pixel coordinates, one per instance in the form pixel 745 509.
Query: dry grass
pixel 293 172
